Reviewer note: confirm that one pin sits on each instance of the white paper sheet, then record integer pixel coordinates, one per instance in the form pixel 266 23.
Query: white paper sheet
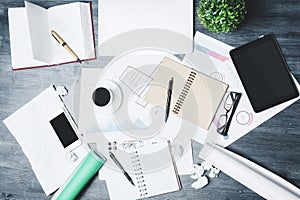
pixel 129 25
pixel 32 130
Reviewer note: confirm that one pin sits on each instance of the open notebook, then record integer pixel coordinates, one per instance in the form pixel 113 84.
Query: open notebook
pixel 151 175
pixel 32 44
pixel 195 97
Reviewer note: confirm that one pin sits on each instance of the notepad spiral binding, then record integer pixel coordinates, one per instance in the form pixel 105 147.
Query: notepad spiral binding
pixel 184 92
pixel 139 175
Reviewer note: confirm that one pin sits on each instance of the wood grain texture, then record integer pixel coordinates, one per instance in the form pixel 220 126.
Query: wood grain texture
pixel 274 145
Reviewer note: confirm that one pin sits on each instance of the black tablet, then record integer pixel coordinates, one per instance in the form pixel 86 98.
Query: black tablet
pixel 264 73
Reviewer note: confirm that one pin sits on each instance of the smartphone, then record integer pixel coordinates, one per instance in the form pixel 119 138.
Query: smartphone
pixel 65 129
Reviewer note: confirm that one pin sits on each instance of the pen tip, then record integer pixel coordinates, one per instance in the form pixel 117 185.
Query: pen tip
pixel 132 183
pixel 78 60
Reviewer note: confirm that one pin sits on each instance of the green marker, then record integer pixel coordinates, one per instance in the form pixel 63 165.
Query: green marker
pixel 81 176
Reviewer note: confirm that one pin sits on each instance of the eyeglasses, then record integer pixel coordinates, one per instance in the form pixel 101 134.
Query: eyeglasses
pixel 230 104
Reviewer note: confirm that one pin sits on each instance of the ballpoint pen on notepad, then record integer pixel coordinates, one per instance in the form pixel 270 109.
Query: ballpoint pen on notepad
pixel 174 164
pixel 168 103
pixel 121 167
pixel 64 44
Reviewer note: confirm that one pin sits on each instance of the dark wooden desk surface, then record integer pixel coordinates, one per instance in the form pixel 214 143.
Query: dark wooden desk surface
pixel 274 145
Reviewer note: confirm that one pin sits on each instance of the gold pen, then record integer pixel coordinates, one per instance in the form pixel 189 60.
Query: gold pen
pixel 64 44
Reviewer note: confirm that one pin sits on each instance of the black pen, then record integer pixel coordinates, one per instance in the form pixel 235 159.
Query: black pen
pixel 169 99
pixel 121 167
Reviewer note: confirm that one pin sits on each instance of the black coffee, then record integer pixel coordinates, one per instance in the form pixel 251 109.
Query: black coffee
pixel 101 96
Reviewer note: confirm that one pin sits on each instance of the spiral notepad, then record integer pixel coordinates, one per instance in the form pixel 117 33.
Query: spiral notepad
pixel 195 96
pixel 151 175
pixel 188 84
pixel 138 173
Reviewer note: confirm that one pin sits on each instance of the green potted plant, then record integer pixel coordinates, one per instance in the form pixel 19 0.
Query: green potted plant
pixel 221 15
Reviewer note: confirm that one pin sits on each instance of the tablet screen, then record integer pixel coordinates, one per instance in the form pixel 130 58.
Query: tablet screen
pixel 264 73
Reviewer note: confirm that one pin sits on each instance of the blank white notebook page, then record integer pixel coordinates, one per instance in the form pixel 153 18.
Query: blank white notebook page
pixel 73 23
pixel 20 44
pixel 152 172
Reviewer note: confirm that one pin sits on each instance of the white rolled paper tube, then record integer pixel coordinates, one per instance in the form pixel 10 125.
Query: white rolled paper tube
pixel 258 179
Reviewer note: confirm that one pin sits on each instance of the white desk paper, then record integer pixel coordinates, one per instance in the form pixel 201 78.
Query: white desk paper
pixel 129 25
pixel 32 130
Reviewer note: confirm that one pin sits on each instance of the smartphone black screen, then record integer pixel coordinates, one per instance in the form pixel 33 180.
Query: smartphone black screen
pixel 264 73
pixel 64 130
